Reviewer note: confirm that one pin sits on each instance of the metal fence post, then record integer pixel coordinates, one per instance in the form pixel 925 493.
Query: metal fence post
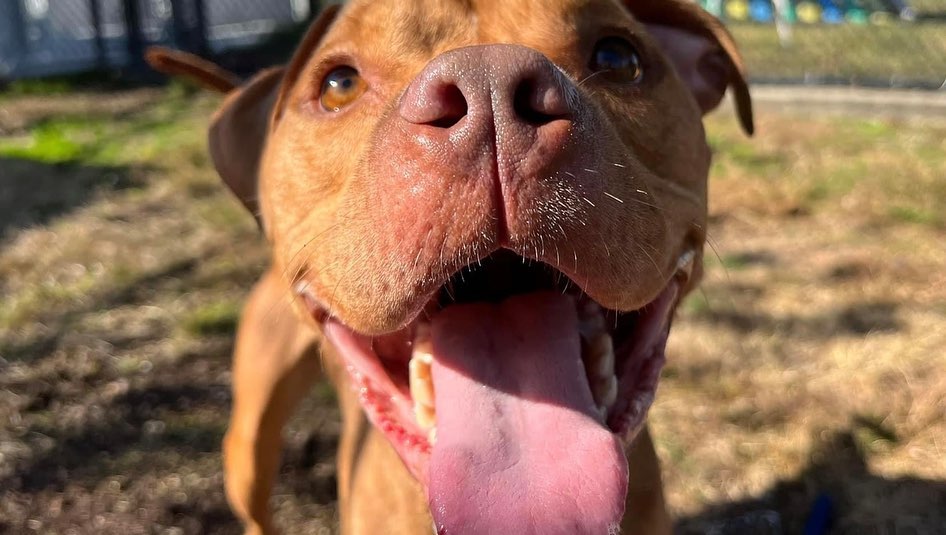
pixel 202 47
pixel 133 34
pixel 19 26
pixel 96 10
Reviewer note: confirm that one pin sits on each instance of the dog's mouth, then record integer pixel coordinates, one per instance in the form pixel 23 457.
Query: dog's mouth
pixel 513 395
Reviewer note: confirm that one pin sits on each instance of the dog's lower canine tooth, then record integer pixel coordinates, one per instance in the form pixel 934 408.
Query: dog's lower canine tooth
pixel 425 416
pixel 422 349
pixel 421 382
pixel 419 377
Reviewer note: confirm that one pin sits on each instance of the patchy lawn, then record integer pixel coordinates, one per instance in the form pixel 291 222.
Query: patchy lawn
pixel 811 362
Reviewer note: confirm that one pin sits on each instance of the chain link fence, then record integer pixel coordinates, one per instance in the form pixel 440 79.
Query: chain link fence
pixel 888 43
pixel 45 37
pixel 885 43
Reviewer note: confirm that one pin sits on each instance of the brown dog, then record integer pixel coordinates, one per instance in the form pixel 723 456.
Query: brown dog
pixel 485 213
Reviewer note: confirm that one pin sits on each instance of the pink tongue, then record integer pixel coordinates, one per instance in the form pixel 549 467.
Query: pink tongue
pixel 519 448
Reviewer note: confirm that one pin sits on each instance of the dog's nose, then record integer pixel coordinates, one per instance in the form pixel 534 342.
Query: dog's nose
pixel 495 85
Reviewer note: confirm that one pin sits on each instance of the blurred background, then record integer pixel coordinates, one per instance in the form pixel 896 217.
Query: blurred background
pixel 806 385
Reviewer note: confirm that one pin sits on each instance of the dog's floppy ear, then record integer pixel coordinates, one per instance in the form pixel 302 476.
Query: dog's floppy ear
pixel 194 68
pixel 239 128
pixel 238 133
pixel 702 50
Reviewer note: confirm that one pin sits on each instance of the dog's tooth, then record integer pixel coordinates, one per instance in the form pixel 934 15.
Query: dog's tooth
pixel 610 394
pixel 588 328
pixel 685 263
pixel 432 436
pixel 423 347
pixel 425 416
pixel 605 393
pixel 421 382
pixel 590 319
pixel 602 356
pixel 419 377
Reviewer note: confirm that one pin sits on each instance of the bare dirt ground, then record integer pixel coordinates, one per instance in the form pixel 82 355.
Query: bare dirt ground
pixel 811 363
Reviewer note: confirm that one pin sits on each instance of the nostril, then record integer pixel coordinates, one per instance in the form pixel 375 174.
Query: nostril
pixel 539 103
pixel 451 107
pixel 437 103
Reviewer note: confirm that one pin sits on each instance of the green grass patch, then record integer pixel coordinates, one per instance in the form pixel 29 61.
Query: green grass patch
pixel 212 319
pixel 55 86
pixel 146 136
pixel 52 142
pixel 887 170
pixel 873 435
pixel 912 214
pixel 695 304
pixel 841 180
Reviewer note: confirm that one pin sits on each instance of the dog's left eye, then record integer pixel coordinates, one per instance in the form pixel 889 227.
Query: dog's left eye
pixel 341 87
pixel 616 55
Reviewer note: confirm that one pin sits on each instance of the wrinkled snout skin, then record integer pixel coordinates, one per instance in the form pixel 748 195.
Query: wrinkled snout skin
pixel 461 146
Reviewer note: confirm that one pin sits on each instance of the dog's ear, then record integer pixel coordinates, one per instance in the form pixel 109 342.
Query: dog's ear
pixel 702 50
pixel 238 132
pixel 204 73
pixel 239 128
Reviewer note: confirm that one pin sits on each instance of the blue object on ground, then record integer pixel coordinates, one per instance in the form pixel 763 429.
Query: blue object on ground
pixel 819 519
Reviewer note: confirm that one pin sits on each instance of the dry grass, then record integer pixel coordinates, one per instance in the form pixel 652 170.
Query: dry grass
pixel 814 356
pixel 812 362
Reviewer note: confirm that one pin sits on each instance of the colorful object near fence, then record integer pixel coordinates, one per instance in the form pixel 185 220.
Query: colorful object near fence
pixel 809 11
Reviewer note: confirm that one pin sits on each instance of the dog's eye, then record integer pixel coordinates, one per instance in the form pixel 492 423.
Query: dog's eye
pixel 616 55
pixel 341 87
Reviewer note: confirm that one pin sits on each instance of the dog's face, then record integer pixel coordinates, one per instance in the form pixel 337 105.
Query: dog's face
pixel 491 209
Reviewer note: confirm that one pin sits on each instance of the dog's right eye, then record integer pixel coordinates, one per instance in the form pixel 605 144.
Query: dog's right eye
pixel 617 56
pixel 340 88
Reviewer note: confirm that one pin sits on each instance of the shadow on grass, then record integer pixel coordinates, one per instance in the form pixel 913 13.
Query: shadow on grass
pixel 33 193
pixel 132 425
pixel 838 471
pixel 856 319
pixel 59 319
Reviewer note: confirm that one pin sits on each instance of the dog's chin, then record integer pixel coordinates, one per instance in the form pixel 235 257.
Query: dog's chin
pixel 513 394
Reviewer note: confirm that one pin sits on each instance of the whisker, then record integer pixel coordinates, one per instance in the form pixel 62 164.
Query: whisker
pixel 614 197
pixel 652 261
pixel 590 76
